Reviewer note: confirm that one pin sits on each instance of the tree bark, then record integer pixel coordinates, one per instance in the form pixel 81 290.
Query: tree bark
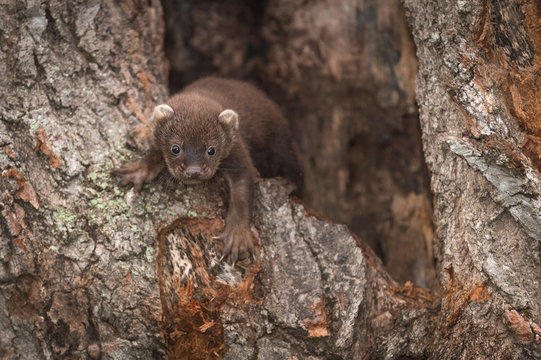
pixel 92 270
pixel 315 291
pixel 478 89
pixel 77 253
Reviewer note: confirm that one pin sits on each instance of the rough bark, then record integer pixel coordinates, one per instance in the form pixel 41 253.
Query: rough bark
pixel 92 270
pixel 478 91
pixel 77 256
pixel 314 292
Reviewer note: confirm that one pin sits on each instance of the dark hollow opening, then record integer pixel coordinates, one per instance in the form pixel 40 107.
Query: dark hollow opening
pixel 344 77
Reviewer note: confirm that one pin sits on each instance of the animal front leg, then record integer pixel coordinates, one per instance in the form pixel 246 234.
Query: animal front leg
pixel 237 236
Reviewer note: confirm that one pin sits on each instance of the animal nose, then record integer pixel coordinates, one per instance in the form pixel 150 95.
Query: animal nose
pixel 193 172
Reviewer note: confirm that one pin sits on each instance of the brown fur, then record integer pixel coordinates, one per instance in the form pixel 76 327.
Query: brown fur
pixel 262 139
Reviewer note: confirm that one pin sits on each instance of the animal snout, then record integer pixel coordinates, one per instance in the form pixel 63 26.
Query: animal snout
pixel 193 172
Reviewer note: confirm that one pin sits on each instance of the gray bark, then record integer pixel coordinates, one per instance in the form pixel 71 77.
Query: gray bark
pixel 77 253
pixel 310 288
pixel 478 71
pixel 90 270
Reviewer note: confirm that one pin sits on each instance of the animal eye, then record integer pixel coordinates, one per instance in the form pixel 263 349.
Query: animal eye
pixel 175 149
pixel 211 151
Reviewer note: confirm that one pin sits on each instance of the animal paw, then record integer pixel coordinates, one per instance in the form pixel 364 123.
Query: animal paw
pixel 137 173
pixel 238 242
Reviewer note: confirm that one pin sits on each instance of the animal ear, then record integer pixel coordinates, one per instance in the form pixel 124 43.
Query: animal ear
pixel 161 111
pixel 229 118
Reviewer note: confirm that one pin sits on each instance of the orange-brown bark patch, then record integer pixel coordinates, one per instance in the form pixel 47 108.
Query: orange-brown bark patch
pixel 458 295
pixel 20 243
pixel 521 85
pixel 191 324
pixel 319 326
pixel 480 294
pixel 410 291
pixel 54 160
pixel 134 108
pixel 146 85
pixel 10 153
pixel 532 148
pixel 42 144
pixel 16 225
pixel 523 91
pixel 521 327
pixel 525 86
pixel 25 190
pixel 483 29
pixel 515 159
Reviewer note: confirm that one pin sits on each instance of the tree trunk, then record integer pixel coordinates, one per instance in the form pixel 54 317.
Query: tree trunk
pixel 77 274
pixel 478 89
pixel 93 270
